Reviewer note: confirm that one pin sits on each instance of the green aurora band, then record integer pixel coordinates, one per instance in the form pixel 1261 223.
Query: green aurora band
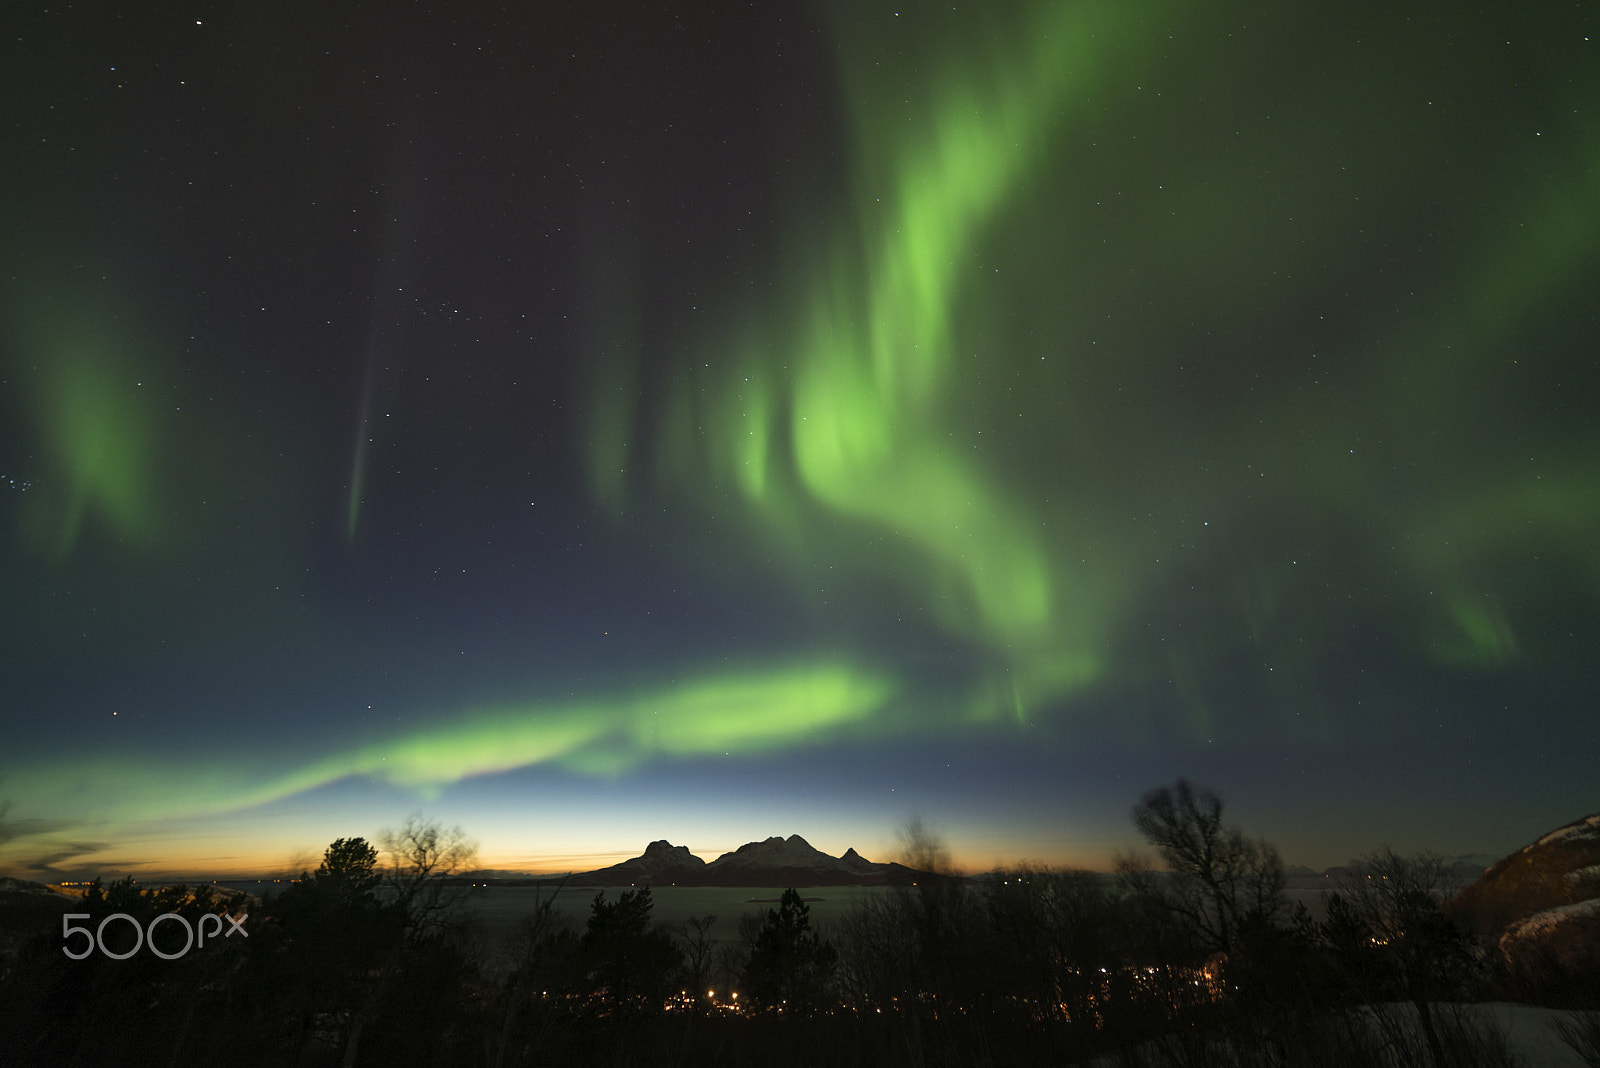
pixel 743 710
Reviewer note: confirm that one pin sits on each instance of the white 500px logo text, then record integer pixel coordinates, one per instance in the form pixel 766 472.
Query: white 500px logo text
pixel 97 937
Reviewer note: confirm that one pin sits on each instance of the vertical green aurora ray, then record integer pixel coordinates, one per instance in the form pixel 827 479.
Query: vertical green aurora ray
pixel 385 325
pixel 360 449
pixel 97 428
pixel 610 276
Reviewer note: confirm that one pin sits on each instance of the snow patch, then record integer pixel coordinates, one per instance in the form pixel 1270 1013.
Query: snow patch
pixel 1580 830
pixel 1539 922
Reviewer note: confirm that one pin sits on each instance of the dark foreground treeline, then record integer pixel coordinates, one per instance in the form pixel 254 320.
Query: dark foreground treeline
pixel 361 964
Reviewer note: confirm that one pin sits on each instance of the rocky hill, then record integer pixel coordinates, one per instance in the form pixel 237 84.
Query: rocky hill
pixel 1539 908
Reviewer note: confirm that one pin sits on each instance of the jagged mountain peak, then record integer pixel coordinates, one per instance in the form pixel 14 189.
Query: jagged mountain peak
pixel 856 862
pixel 774 861
pixel 664 851
pixel 776 851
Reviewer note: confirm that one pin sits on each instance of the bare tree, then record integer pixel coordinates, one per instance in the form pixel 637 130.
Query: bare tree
pixel 1397 894
pixel 878 949
pixel 423 860
pixel 698 952
pixel 1397 901
pixel 535 938
pixel 943 915
pixel 1222 880
pixel 921 848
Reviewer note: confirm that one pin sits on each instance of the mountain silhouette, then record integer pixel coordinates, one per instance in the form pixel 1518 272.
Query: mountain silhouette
pixel 777 861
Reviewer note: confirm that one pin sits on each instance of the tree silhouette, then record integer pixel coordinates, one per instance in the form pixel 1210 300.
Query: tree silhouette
pixel 423 860
pixel 921 848
pixel 330 934
pixel 788 962
pixel 627 956
pixel 1223 880
pixel 348 873
pixel 424 857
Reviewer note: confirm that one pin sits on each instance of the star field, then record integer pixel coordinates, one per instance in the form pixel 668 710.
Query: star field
pixel 592 426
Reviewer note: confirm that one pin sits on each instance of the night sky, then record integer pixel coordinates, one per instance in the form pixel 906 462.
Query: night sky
pixel 592 423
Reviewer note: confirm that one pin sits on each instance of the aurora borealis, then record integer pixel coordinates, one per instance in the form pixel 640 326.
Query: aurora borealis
pixel 592 426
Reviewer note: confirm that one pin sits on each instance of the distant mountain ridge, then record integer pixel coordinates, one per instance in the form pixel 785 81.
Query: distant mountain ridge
pixel 777 861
